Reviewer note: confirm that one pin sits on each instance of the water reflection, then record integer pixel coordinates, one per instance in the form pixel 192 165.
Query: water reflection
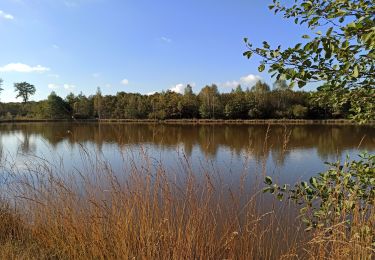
pixel 259 140
pixel 289 153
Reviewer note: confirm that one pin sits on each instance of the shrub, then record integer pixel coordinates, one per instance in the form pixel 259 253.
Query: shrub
pixel 338 203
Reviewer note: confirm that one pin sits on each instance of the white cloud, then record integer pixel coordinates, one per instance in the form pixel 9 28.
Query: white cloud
pixel 6 16
pixel 20 67
pixel 151 93
pixel 250 79
pixel 179 88
pixel 245 81
pixel 69 87
pixel 230 84
pixel 108 85
pixel 53 86
pixel 125 82
pixel 165 39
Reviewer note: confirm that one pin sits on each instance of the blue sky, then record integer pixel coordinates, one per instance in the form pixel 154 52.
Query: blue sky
pixel 134 45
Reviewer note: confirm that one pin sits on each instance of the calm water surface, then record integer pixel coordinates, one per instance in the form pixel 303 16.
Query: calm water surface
pixel 290 152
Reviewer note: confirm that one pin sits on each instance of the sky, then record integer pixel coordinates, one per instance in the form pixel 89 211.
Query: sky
pixel 134 45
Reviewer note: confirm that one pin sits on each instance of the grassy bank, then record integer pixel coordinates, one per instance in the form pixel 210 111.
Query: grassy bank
pixel 200 121
pixel 239 121
pixel 149 212
pixel 38 120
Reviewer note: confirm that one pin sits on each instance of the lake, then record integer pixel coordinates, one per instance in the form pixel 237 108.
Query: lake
pixel 116 177
pixel 291 152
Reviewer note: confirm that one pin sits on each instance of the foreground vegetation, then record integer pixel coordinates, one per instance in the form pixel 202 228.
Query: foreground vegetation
pixel 147 211
pixel 344 196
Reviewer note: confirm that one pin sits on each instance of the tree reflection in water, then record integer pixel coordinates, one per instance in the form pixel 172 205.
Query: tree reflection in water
pixel 328 140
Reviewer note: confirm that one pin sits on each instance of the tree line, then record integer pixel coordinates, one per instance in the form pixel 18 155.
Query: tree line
pixel 257 102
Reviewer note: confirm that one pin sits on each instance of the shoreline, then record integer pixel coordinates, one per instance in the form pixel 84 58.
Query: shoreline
pixel 199 121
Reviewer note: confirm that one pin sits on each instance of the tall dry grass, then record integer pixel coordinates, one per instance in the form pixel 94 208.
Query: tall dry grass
pixel 147 212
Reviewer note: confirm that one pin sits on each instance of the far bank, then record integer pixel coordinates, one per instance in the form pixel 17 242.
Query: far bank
pixel 199 121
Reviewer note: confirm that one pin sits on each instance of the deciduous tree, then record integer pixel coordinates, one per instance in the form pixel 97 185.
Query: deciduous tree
pixel 56 107
pixel 24 90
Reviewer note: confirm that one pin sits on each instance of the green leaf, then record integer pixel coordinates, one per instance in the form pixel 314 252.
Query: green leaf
pixel 355 72
pixel 268 189
pixel 313 182
pixel 329 31
pixel 352 25
pixel 248 54
pixel 306 36
pixel 261 67
pixel 280 196
pixel 301 84
pixel 268 180
pixel 306 5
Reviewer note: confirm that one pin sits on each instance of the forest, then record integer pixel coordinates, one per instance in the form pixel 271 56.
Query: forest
pixel 258 102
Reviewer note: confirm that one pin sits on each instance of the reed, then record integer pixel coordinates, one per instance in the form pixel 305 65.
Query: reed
pixel 147 211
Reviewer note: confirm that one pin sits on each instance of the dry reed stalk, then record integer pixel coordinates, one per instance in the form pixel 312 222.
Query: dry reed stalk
pixel 147 212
